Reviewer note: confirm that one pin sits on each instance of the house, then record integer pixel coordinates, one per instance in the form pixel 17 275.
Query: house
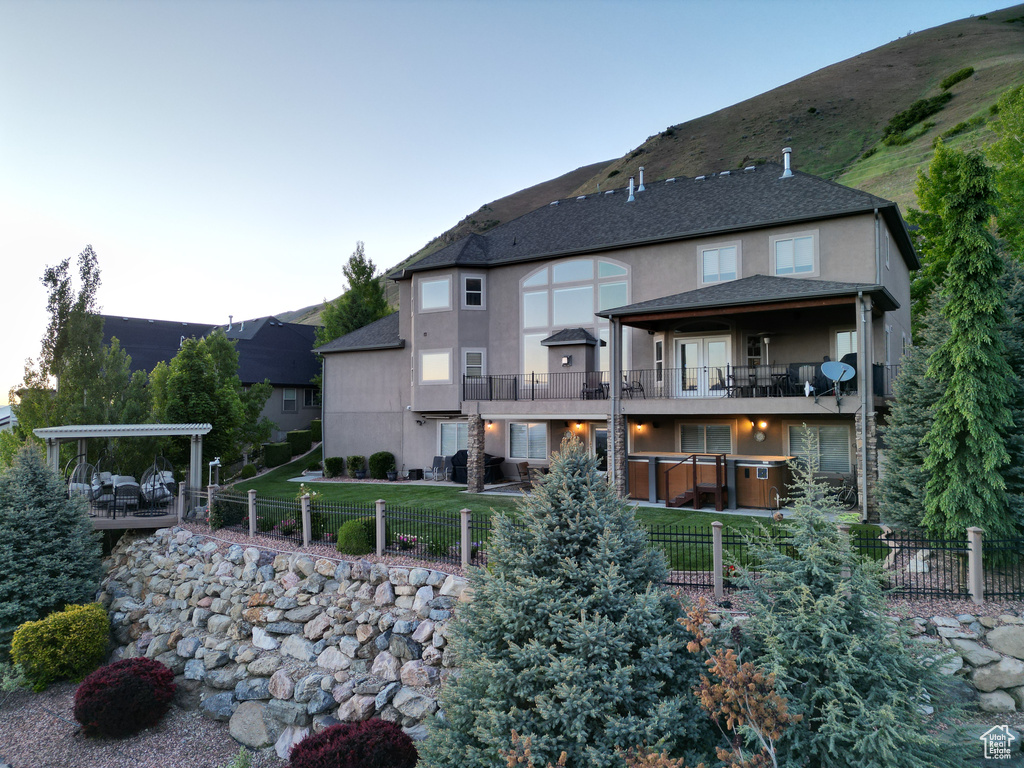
pixel 268 350
pixel 686 316
pixel 7 419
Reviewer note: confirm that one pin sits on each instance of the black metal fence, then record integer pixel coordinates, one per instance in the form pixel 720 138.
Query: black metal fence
pixel 424 534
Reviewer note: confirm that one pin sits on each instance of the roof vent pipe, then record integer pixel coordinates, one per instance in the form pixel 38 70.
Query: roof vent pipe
pixel 630 199
pixel 641 187
pixel 230 319
pixel 788 171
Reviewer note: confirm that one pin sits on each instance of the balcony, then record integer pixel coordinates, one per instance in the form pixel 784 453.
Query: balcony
pixel 738 381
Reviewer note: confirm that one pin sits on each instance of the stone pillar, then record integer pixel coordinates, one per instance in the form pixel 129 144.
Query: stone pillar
pixel 867 477
pixel 475 458
pixel 619 454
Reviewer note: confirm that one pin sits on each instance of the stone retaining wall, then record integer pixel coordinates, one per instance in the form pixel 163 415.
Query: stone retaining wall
pixel 278 644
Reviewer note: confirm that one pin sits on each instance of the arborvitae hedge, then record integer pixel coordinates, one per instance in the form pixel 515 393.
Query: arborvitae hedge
pixel 275 454
pixel 301 440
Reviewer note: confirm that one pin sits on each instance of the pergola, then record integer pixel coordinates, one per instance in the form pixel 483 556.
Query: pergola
pixel 81 433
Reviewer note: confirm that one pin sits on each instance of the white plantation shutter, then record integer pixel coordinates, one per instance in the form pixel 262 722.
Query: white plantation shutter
pixel 803 254
pixel 834 449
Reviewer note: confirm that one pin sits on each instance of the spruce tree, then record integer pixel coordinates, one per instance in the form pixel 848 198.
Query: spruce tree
pixel 818 623
pixel 363 302
pixel 49 554
pixel 965 446
pixel 569 639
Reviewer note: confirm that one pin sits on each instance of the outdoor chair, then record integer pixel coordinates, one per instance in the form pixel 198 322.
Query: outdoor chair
pixel 633 389
pixel 523 467
pixel 437 470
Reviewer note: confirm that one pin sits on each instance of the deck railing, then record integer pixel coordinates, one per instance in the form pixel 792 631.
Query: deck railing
pixel 775 380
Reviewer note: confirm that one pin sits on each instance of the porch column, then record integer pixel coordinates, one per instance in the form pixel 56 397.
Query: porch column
pixel 53 453
pixel 475 454
pixel 83 448
pixel 867 465
pixel 617 445
pixel 865 388
pixel 195 469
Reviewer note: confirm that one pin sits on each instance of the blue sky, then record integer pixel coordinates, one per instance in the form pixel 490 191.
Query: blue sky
pixel 224 157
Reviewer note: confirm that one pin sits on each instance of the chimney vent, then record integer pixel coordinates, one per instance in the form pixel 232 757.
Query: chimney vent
pixel 641 187
pixel 230 319
pixel 631 198
pixel 788 171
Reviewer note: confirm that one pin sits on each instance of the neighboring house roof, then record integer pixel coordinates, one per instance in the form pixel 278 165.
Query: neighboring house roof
pixel 571 336
pixel 380 334
pixel 666 210
pixel 268 349
pixel 756 289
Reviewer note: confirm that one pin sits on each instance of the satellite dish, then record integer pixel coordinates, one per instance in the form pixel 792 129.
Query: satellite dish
pixel 836 371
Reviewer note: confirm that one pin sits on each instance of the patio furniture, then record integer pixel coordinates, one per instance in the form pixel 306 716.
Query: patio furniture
pixel 157 486
pixel 437 470
pixel 492 467
pixel 80 480
pixel 633 389
pixel 126 495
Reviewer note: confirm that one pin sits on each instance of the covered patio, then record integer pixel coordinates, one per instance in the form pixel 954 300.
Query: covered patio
pixel 81 433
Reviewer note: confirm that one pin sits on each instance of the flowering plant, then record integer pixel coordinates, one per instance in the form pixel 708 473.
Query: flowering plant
pixel 286 527
pixel 406 541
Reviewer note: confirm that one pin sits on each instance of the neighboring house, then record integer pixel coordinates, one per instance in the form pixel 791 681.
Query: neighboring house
pixel 268 350
pixel 7 419
pixel 690 316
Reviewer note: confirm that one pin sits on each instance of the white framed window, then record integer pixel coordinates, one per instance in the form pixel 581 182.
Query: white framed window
pixel 289 404
pixel 473 294
pixel 435 366
pixel 528 440
pixel 473 363
pixel 659 360
pixel 453 437
pixel 705 438
pixel 795 255
pixel 720 263
pixel 845 343
pixel 436 294
pixel 834 453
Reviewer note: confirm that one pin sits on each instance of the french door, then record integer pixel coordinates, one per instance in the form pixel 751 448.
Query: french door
pixel 702 366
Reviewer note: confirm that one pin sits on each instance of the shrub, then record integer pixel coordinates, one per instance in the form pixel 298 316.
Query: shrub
pixel 439 546
pixel 264 524
pixel 275 454
pixel 316 429
pixel 950 80
pixel 334 466
pixel 227 512
pixel 66 644
pixel 868 153
pixel 381 463
pixel 124 697
pixel 301 440
pixel 286 527
pixel 358 537
pixel 49 553
pixel 369 744
pixel 915 113
pixel 355 464
pixel 248 472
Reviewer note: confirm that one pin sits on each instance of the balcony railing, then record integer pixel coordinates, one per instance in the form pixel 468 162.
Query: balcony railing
pixel 777 380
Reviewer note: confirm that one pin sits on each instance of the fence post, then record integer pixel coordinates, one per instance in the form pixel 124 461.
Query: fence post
pixel 381 530
pixel 464 537
pixel 844 530
pixel 716 555
pixel 975 575
pixel 181 501
pixel 252 512
pixel 306 520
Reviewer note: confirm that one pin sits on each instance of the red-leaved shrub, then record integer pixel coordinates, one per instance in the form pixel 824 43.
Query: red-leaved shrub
pixel 124 697
pixel 369 744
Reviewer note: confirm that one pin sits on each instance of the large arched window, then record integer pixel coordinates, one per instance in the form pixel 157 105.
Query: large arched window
pixel 566 294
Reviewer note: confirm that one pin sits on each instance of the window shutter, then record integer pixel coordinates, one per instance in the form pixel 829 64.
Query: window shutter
pixel 518 441
pixel 803 248
pixel 796 443
pixel 719 438
pixel 783 257
pixel 834 449
pixel 538 441
pixel 691 438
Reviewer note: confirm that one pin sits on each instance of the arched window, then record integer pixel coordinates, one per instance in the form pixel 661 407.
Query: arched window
pixel 566 294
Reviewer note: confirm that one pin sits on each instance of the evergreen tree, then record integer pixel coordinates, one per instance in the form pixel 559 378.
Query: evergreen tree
pixel 965 445
pixel 818 623
pixel 49 554
pixel 363 302
pixel 569 638
pixel 1007 153
pixel 1012 283
pixel 902 488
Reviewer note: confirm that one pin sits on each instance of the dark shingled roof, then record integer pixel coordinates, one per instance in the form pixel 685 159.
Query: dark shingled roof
pixel 267 348
pixel 665 210
pixel 570 336
pixel 380 334
pixel 757 289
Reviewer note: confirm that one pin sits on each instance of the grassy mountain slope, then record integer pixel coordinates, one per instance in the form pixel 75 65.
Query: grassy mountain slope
pixel 831 118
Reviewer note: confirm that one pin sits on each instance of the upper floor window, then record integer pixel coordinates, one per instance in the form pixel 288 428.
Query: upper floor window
pixel 436 294
pixel 473 296
pixel 795 254
pixel 566 294
pixel 435 367
pixel 720 263
pixel 473 363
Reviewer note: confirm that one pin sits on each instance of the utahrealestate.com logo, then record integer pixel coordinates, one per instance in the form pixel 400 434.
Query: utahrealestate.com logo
pixel 997 742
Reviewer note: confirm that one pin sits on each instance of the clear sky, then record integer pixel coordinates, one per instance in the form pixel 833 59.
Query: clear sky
pixel 223 157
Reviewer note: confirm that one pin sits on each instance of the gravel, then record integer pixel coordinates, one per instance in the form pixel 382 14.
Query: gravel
pixel 38 730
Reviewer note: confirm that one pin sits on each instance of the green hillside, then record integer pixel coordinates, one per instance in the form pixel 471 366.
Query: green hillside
pixel 834 119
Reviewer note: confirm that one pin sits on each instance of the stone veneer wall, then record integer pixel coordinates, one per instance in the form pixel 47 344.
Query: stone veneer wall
pixel 278 644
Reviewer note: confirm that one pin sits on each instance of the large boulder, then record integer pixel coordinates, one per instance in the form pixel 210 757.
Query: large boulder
pixel 1008 640
pixel 253 725
pixel 1006 673
pixel 220 706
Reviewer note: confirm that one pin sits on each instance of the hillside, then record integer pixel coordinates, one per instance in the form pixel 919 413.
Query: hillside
pixel 831 118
